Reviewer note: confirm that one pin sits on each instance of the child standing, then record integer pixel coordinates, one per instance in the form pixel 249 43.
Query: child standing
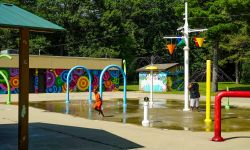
pixel 98 102
pixel 194 95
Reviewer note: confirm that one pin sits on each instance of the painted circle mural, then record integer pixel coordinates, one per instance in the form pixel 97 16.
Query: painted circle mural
pixel 50 81
pixel 14 82
pixel 53 89
pixel 95 81
pixel 75 77
pixel 95 72
pixel 58 71
pixel 6 73
pixel 72 85
pixel 64 87
pixel 83 83
pixel 108 84
pixel 112 87
pixel 5 88
pixel 14 72
pixel 114 73
pixel 78 72
pixel 59 81
pixel 117 86
pixel 59 89
pixel 106 76
pixel 115 81
pixel 36 81
pixel 64 76
pixel 49 90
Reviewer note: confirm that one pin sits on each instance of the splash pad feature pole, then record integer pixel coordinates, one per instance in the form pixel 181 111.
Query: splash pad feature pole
pixel 124 66
pixel 185 30
pixel 208 93
pixel 145 121
pixel 227 106
pixel 69 76
pixel 124 82
pixel 151 68
pixel 8 87
pixel 217 110
pixel 6 79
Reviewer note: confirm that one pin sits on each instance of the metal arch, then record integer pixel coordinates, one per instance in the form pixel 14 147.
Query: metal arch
pixel 5 55
pixel 124 82
pixel 90 83
pixel 5 78
pixel 8 86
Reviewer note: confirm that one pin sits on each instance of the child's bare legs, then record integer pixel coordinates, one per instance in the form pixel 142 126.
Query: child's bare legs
pixel 99 112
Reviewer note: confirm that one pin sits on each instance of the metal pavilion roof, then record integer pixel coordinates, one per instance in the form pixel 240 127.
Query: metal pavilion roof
pixel 12 16
pixel 160 67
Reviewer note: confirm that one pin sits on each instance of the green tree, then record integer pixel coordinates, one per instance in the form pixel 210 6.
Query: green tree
pixel 237 44
pixel 217 17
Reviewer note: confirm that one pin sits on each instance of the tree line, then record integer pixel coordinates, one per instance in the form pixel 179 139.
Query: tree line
pixel 131 29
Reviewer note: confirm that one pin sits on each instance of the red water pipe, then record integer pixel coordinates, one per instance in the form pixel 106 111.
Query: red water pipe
pixel 217 110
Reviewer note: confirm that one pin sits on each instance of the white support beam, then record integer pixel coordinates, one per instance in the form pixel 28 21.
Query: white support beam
pixel 185 30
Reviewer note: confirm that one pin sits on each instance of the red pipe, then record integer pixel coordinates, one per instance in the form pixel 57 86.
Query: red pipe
pixel 217 110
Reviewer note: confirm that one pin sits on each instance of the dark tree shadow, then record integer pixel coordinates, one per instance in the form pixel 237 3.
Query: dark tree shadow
pixel 44 136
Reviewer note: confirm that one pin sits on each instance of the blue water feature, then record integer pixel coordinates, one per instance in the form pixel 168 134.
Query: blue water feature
pixel 90 82
pixel 124 81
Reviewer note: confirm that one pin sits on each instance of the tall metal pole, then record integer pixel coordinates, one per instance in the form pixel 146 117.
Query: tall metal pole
pixel 185 30
pixel 152 80
pixel 23 97
pixel 208 92
pixel 186 60
pixel 151 87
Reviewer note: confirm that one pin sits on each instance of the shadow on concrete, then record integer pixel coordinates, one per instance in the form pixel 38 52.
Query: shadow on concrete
pixel 44 136
pixel 236 137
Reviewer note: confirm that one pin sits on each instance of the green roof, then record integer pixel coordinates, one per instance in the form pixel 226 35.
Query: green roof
pixel 15 17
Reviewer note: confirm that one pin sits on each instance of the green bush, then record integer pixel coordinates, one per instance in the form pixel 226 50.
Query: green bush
pixel 245 74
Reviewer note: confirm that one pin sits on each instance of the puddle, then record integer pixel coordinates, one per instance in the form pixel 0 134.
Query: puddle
pixel 165 114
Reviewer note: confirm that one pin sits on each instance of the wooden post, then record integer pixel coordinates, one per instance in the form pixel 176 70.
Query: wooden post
pixel 23 99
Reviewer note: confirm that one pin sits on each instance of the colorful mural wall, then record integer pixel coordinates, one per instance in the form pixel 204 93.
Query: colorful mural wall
pixel 163 81
pixel 12 75
pixel 56 80
pixel 159 80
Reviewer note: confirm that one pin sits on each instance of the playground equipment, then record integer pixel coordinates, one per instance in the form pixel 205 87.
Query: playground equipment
pixel 36 81
pixel 124 66
pixel 170 47
pixel 145 121
pixel 208 92
pixel 181 41
pixel 124 82
pixel 227 106
pixel 151 68
pixel 217 111
pixel 185 30
pixel 90 82
pixel 6 79
pixel 13 17
pixel 124 115
pixel 199 40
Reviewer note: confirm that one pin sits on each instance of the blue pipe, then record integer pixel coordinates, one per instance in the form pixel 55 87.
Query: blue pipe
pixel 124 82
pixel 90 82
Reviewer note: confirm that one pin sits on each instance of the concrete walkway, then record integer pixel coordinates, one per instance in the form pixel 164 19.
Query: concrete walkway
pixel 55 131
